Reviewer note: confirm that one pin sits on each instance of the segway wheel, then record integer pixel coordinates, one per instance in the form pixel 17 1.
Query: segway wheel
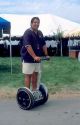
pixel 43 89
pixel 25 98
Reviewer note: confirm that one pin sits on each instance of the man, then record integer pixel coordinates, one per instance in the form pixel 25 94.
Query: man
pixel 33 48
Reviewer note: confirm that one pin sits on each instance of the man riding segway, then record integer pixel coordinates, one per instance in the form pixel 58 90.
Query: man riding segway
pixel 32 50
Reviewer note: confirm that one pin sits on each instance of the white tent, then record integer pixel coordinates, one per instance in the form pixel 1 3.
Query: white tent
pixel 49 23
pixel 74 32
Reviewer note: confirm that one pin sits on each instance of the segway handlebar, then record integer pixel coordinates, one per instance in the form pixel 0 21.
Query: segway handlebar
pixel 45 58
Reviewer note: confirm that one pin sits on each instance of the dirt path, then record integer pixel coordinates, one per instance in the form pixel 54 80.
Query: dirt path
pixel 7 93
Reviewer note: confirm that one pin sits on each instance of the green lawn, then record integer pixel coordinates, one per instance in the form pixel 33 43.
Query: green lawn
pixel 59 73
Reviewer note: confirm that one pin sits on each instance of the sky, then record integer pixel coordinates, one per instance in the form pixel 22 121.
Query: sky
pixel 69 9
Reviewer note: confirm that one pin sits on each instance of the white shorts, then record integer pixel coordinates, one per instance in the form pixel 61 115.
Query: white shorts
pixel 29 68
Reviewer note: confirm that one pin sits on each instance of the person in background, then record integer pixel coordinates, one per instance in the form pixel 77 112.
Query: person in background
pixel 33 48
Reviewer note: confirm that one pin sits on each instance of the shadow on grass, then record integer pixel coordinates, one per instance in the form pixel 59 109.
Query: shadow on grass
pixel 4 68
pixel 7 69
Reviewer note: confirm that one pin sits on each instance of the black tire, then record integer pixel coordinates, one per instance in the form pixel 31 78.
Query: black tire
pixel 43 89
pixel 25 98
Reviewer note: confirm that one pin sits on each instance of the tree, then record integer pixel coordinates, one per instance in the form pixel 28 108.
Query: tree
pixel 58 36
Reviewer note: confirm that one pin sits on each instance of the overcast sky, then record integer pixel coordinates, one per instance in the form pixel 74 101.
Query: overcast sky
pixel 69 9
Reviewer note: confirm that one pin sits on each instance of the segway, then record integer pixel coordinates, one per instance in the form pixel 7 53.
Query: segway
pixel 28 99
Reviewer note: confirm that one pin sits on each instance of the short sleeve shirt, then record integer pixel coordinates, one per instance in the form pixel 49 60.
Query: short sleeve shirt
pixel 36 40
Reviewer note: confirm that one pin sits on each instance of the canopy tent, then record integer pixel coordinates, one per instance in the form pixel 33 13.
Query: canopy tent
pixel 5 28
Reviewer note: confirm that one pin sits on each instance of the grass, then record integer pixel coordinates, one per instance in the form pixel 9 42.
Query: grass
pixel 6 79
pixel 60 73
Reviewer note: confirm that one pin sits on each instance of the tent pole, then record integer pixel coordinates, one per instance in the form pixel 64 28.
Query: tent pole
pixel 2 33
pixel 69 46
pixel 10 52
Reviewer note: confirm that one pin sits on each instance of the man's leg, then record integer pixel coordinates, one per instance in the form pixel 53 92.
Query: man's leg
pixel 34 80
pixel 37 94
pixel 27 80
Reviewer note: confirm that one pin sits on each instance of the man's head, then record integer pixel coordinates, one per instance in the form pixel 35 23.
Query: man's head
pixel 35 21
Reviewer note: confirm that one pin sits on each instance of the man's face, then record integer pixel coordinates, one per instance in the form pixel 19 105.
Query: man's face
pixel 35 24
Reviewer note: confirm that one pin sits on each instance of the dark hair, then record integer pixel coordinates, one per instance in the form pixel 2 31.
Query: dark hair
pixel 37 18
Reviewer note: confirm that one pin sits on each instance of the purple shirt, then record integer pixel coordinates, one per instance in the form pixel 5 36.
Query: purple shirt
pixel 36 41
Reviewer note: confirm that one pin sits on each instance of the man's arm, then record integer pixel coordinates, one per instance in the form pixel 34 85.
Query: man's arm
pixel 31 52
pixel 45 50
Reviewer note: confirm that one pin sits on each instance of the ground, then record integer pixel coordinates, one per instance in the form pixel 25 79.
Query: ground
pixel 60 111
